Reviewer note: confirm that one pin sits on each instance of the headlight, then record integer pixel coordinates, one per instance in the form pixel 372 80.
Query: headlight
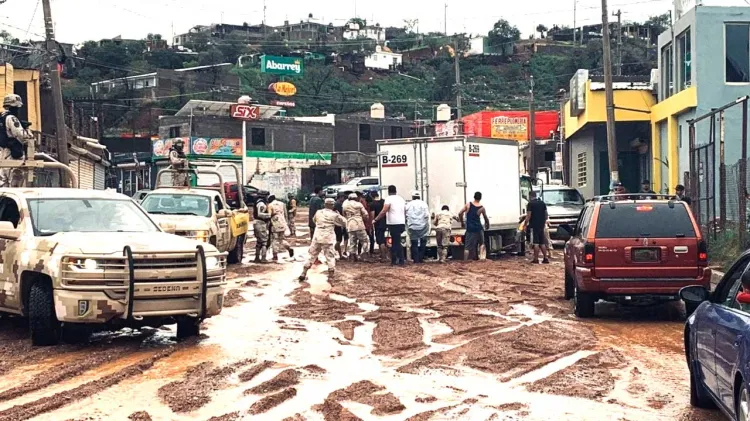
pixel 212 263
pixel 88 265
pixel 199 235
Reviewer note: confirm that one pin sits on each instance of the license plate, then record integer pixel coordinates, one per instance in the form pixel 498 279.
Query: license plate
pixel 646 255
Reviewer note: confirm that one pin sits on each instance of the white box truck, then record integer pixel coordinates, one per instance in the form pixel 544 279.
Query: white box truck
pixel 448 171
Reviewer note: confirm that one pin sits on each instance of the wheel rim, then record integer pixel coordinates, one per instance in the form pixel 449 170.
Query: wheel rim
pixel 744 406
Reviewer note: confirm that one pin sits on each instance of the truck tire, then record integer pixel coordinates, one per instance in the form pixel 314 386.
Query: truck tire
pixel 188 328
pixel 43 323
pixel 238 252
pixel 458 253
pixel 570 286
pixel 585 304
pixel 75 334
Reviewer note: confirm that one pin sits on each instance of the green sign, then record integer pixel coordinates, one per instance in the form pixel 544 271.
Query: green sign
pixel 289 66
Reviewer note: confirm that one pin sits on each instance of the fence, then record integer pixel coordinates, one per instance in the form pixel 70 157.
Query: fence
pixel 718 188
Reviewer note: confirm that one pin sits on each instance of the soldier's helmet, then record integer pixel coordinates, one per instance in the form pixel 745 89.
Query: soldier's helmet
pixel 12 100
pixel 179 143
pixel 329 202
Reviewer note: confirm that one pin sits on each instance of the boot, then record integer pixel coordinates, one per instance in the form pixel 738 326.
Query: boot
pixel 291 252
pixel 303 276
pixel 331 276
pixel 263 255
pixel 275 257
pixel 257 255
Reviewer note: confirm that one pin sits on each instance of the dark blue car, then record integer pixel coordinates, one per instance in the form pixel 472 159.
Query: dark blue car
pixel 717 343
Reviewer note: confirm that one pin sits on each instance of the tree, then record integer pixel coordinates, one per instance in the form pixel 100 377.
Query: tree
pixel 502 35
pixel 358 21
pixel 661 22
pixel 7 38
pixel 275 45
pixel 542 30
pixel 233 46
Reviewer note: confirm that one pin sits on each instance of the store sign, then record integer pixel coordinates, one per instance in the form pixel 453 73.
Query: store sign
pixel 289 66
pixel 244 112
pixel 447 129
pixel 558 162
pixel 283 88
pixel 160 147
pixel 287 104
pixel 578 92
pixel 216 147
pixel 510 128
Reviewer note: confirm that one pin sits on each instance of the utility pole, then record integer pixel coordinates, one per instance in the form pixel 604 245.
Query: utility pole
pixel 619 41
pixel 459 114
pixel 614 174
pixel 445 19
pixel 575 28
pixel 532 127
pixel 54 73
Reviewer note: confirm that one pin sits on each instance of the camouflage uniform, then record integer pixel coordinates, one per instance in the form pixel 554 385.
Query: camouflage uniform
pixel 355 215
pixel 324 238
pixel 14 131
pixel 178 161
pixel 291 215
pixel 278 227
pixel 443 232
pixel 260 228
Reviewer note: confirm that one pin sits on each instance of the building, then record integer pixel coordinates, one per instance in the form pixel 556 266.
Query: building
pixel 164 81
pixel 384 59
pixel 353 30
pixel 585 133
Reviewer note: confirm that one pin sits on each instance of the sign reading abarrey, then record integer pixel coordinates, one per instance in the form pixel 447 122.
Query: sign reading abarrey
pixel 291 66
pixel 244 112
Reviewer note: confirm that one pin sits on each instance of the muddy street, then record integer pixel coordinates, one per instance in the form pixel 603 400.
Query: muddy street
pixel 491 340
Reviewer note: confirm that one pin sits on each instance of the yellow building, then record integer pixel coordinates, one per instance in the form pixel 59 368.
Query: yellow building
pixel 26 83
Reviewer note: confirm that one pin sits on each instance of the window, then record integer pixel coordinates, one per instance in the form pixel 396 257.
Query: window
pixel 667 75
pixel 684 61
pixel 174 132
pixel 397 132
pixel 9 211
pixel 549 156
pixel 177 204
pixel 736 44
pixel 364 132
pixel 258 136
pixel 583 229
pixel 582 170
pixel 652 220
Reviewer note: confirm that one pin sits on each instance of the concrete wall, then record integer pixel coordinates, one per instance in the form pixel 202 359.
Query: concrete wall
pixel 280 135
pixel 348 133
pixel 584 142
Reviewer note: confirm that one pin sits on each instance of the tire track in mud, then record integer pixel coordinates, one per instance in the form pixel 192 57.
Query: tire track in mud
pixel 272 401
pixel 59 400
pixel 198 385
pixel 97 357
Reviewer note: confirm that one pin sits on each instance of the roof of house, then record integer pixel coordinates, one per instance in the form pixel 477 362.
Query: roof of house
pixel 623 86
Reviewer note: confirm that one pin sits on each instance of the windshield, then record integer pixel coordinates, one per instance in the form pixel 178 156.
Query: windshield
pixel 562 197
pixel 50 216
pixel 353 181
pixel 177 204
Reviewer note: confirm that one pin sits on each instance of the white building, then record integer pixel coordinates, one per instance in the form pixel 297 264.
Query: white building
pixel 477 46
pixel 383 60
pixel 144 81
pixel 353 31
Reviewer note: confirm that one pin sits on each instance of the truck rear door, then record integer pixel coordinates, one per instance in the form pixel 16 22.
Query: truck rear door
pixel 492 168
pixel 645 240
pixel 444 166
pixel 399 165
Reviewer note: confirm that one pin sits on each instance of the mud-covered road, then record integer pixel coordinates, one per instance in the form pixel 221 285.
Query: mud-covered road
pixel 490 340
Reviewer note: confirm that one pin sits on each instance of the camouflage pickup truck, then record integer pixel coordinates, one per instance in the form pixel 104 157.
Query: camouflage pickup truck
pixel 74 260
pixel 202 213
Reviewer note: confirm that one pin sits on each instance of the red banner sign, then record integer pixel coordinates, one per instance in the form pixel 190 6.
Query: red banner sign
pixel 244 112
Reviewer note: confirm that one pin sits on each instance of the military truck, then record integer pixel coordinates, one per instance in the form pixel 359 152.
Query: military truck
pixel 73 261
pixel 202 213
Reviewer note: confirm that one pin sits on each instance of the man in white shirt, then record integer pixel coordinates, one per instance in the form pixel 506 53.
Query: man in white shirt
pixel 418 224
pixel 394 212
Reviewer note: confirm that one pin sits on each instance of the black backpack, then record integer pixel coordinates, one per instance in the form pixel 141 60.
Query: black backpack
pixel 15 146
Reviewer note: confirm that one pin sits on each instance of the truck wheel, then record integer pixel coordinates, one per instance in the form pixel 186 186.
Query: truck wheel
pixel 188 328
pixel 74 334
pixel 570 286
pixel 457 252
pixel 585 304
pixel 236 254
pixel 43 323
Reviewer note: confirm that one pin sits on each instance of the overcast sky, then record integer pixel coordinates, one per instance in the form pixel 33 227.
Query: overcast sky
pixel 80 20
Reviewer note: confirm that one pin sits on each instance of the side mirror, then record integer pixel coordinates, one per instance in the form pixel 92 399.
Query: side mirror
pixel 8 231
pixel 694 294
pixel 168 227
pixel 564 232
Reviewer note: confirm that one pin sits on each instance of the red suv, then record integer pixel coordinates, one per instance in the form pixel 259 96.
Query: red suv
pixel 633 251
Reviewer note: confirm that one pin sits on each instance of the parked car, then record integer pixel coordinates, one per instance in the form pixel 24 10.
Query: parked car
pixel 251 194
pixel 633 252
pixel 564 205
pixel 717 343
pixel 363 184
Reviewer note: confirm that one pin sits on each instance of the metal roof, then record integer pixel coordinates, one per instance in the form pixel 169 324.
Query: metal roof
pixel 623 86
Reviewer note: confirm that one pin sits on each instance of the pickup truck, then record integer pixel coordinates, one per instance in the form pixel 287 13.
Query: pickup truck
pixel 362 184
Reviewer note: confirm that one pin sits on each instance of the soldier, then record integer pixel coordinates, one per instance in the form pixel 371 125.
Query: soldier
pixel 326 220
pixel 261 215
pixel 178 161
pixel 356 219
pixel 13 140
pixel 291 214
pixel 278 228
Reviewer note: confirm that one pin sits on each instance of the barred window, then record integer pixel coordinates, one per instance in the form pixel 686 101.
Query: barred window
pixel 582 172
